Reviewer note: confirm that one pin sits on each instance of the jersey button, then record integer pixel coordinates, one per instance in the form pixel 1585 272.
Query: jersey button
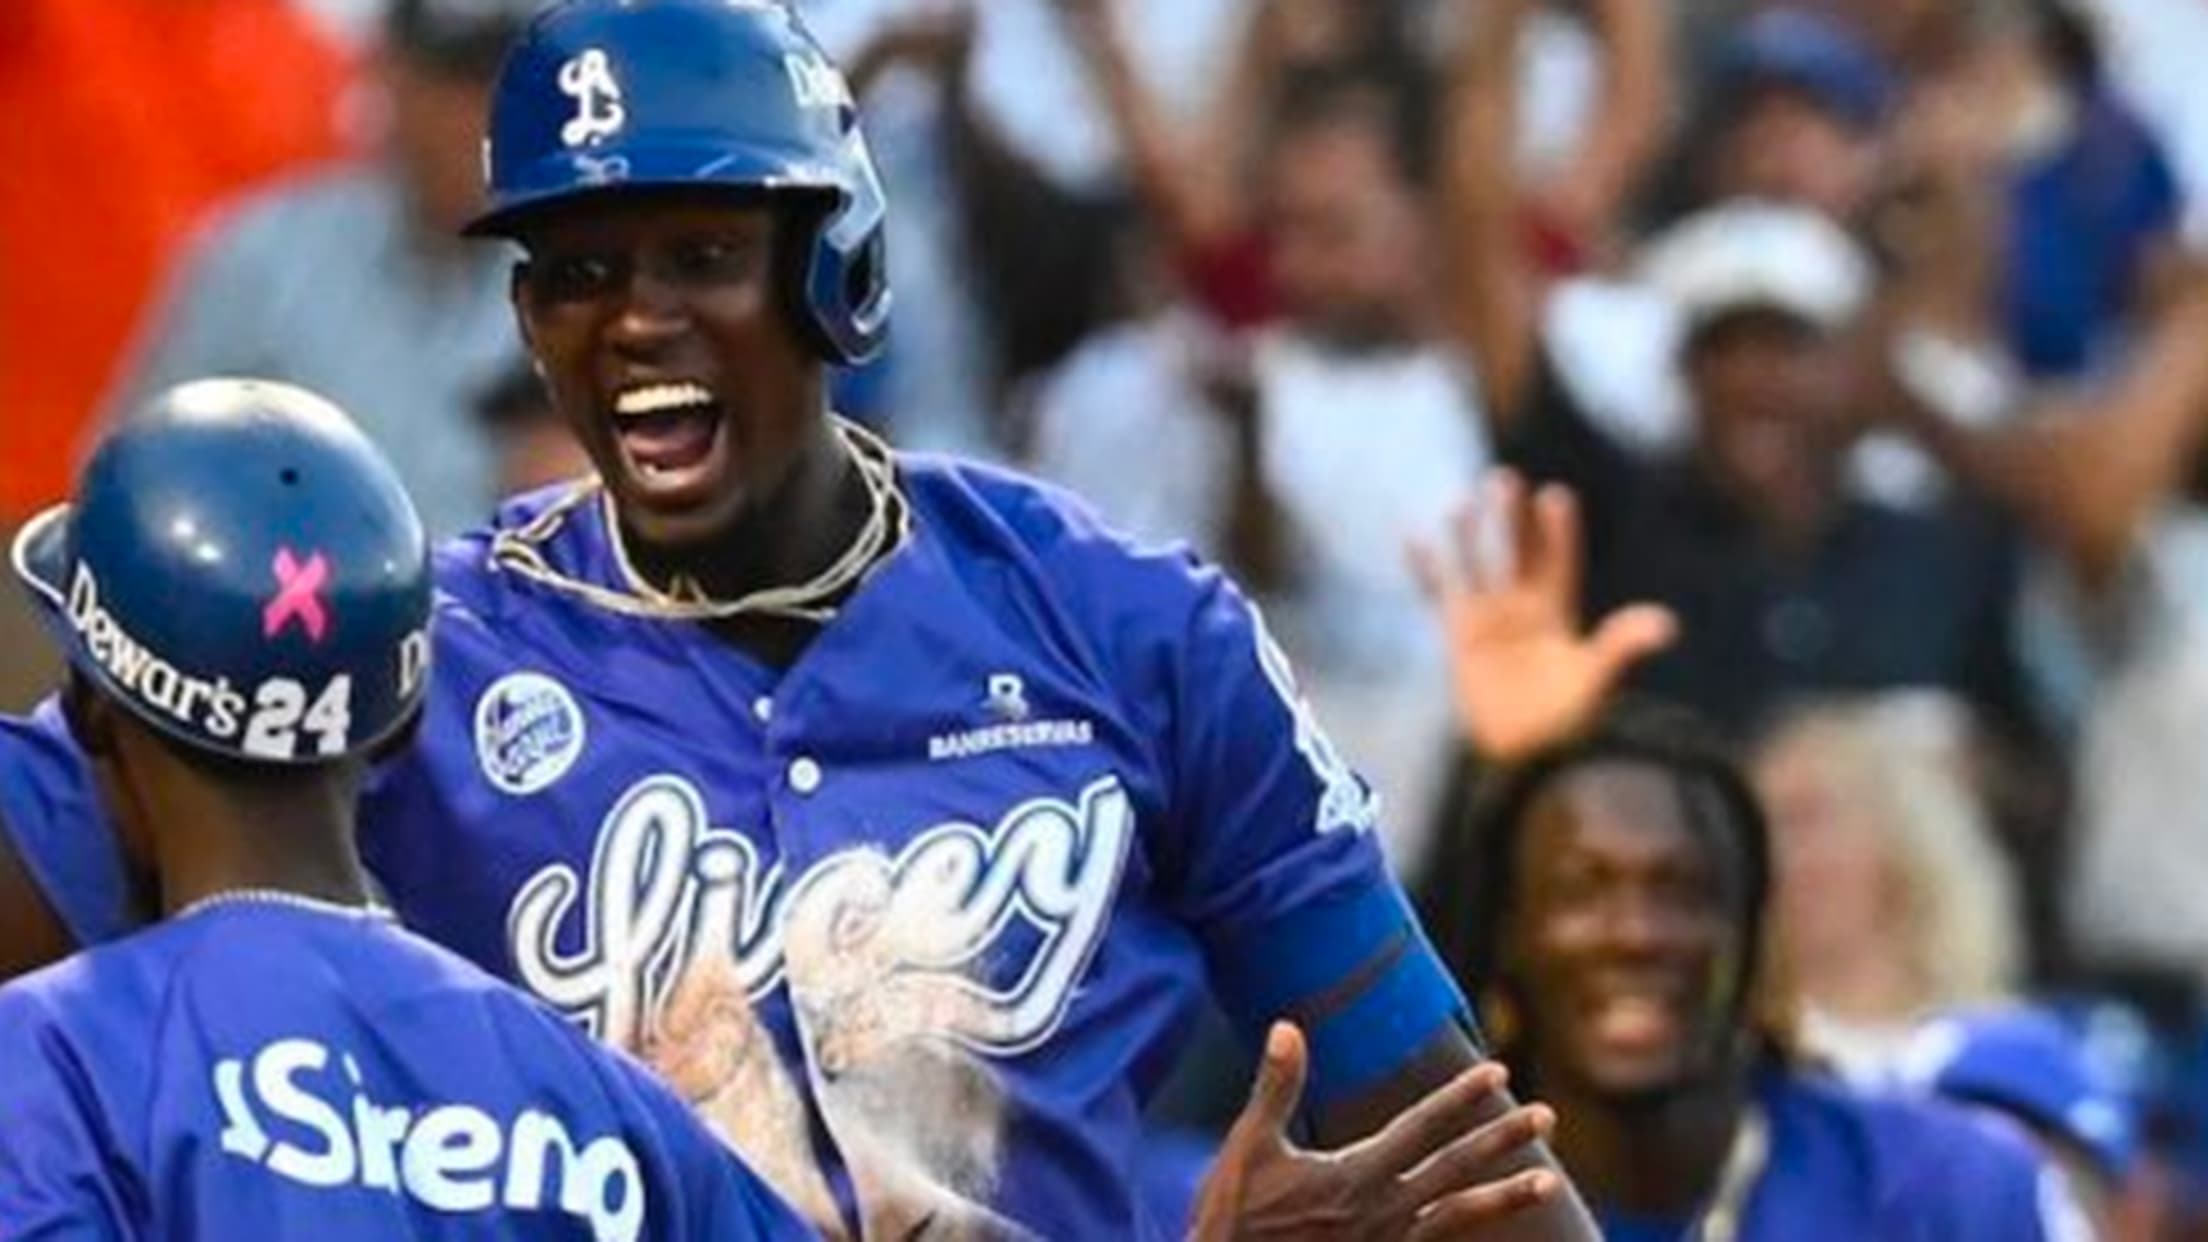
pixel 804 775
pixel 762 708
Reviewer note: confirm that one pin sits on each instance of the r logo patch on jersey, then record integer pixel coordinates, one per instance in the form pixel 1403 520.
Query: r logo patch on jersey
pixel 1007 697
pixel 528 732
pixel 1011 726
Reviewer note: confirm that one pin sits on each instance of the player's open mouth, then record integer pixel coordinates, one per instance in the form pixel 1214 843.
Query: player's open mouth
pixel 1635 1024
pixel 1638 1016
pixel 670 435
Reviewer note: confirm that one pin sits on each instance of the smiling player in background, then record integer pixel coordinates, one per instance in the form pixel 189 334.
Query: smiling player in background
pixel 1609 897
pixel 276 1058
pixel 896 810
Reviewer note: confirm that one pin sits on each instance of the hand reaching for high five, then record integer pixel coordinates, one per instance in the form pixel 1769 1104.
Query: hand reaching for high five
pixel 1436 1172
pixel 1523 673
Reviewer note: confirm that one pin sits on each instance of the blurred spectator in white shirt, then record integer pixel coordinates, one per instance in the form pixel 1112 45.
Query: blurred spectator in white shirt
pixel 355 283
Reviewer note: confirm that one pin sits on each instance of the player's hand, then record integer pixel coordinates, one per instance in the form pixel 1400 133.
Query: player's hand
pixel 1290 33
pixel 937 39
pixel 705 1032
pixel 1523 673
pixel 1435 1172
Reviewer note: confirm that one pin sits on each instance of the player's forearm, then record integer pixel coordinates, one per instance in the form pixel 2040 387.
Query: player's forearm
pixel 2083 474
pixel 1193 206
pixel 1487 290
pixel 1236 118
pixel 1359 1116
pixel 2147 433
pixel 1940 235
pixel 1633 112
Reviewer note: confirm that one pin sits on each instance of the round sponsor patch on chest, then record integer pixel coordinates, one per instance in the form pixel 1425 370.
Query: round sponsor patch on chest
pixel 528 732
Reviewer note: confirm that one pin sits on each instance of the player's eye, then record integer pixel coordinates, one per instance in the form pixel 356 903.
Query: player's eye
pixel 1690 887
pixel 573 277
pixel 715 259
pixel 1577 883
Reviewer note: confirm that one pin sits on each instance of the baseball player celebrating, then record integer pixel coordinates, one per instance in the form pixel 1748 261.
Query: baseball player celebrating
pixel 895 809
pixel 276 1058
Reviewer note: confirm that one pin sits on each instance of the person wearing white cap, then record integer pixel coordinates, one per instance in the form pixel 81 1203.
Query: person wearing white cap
pixel 1780 580
pixel 1749 255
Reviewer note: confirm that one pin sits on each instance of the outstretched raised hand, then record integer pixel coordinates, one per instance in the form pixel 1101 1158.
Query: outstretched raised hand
pixel 1523 672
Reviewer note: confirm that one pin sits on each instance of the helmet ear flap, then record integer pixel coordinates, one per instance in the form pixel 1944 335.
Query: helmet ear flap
pixel 848 281
pixel 800 247
pixel 866 276
pixel 862 293
pixel 838 293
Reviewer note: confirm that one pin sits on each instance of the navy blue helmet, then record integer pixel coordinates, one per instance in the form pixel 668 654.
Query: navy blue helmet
pixel 602 96
pixel 241 569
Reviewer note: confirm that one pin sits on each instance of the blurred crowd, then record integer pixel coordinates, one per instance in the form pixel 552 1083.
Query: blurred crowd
pixel 1833 370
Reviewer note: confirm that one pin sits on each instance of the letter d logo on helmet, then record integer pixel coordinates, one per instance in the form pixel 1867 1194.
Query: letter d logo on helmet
pixel 241 570
pixel 605 97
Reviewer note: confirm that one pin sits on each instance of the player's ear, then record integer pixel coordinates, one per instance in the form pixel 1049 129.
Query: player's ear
pixel 91 717
pixel 517 292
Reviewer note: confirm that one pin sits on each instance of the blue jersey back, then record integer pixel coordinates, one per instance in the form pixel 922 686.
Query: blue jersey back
pixel 920 922
pixel 269 1071
pixel 1845 1166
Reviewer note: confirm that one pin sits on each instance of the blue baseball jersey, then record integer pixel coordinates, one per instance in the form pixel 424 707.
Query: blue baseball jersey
pixel 921 921
pixel 263 1071
pixel 1845 1166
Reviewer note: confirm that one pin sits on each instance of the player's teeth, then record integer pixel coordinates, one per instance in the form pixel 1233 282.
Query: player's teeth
pixel 656 397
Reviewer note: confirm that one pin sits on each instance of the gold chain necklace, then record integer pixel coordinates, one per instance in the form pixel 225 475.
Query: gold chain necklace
pixel 888 525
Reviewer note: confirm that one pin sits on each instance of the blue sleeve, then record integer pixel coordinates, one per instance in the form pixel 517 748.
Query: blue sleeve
pixel 737 1205
pixel 1983 1181
pixel 1279 871
pixel 54 1180
pixel 50 809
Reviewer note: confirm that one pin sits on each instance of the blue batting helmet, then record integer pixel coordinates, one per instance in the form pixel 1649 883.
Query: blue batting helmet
pixel 241 569
pixel 608 95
